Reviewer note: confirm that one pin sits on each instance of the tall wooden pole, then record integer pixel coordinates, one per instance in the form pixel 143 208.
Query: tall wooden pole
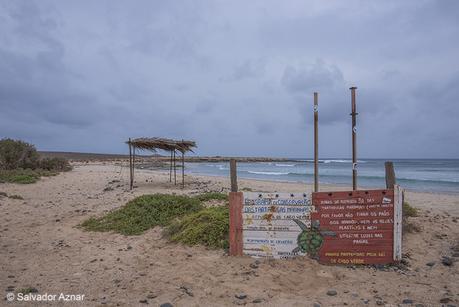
pixel 175 170
pixel 170 169
pixel 233 175
pixel 354 139
pixel 130 164
pixel 316 143
pixel 183 169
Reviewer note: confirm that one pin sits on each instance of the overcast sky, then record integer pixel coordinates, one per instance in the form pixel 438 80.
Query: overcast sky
pixel 235 76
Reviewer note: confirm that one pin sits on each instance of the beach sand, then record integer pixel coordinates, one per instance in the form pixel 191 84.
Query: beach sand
pixel 41 247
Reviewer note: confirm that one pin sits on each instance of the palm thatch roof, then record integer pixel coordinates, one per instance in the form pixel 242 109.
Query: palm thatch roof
pixel 162 143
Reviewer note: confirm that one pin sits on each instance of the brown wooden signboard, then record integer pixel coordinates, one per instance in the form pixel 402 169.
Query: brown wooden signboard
pixel 358 227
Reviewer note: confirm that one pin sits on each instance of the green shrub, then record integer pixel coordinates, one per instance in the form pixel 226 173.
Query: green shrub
pixel 15 154
pixel 24 176
pixel 211 196
pixel 408 210
pixel 55 164
pixel 143 213
pixel 208 227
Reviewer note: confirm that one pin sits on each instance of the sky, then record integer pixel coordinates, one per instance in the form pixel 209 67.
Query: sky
pixel 237 77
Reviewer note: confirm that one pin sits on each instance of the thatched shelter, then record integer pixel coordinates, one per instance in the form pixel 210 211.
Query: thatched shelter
pixel 153 144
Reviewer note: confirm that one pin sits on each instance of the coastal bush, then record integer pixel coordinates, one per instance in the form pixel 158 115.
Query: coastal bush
pixel 55 164
pixel 15 154
pixel 21 163
pixel 208 227
pixel 408 210
pixel 24 176
pixel 143 213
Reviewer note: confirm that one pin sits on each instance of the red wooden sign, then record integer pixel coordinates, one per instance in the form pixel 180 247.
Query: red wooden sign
pixel 357 227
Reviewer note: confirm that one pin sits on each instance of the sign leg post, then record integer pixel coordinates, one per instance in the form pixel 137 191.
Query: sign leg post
pixel 235 223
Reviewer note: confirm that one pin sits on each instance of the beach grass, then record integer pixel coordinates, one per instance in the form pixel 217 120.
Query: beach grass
pixel 24 176
pixel 408 210
pixel 185 218
pixel 143 213
pixel 208 227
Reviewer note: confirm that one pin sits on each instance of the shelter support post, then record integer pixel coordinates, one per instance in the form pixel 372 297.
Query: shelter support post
pixel 183 170
pixel 130 164
pixel 175 171
pixel 170 169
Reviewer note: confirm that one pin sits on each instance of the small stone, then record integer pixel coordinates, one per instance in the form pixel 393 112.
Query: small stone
pixel 445 300
pixel 254 266
pixel 431 264
pixel 166 305
pixel 455 254
pixel 130 247
pixel 407 301
pixel 143 301
pixel 241 296
pixel 257 300
pixel 419 305
pixel 379 302
pixel 365 301
pixel 447 261
pixel 151 296
pixel 332 292
pixel 316 305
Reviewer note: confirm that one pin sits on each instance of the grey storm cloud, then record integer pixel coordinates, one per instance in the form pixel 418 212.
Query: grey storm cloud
pixel 238 77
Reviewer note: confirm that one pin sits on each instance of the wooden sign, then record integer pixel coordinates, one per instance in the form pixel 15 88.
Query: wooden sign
pixel 273 223
pixel 358 227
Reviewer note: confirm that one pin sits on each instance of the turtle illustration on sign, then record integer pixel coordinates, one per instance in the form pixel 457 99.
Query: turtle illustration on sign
pixel 310 239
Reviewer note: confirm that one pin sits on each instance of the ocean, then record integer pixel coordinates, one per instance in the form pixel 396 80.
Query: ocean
pixel 427 175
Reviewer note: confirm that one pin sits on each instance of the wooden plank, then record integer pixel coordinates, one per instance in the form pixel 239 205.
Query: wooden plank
pixel 235 223
pixel 398 223
pixel 233 175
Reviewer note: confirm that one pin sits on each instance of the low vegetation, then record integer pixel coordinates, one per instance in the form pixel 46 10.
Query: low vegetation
pixel 21 163
pixel 208 227
pixel 408 210
pixel 184 218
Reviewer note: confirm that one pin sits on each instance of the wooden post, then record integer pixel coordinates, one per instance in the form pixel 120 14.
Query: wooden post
pixel 170 169
pixel 133 165
pixel 175 170
pixel 233 175
pixel 390 175
pixel 183 169
pixel 130 164
pixel 354 139
pixel 398 222
pixel 316 143
pixel 235 223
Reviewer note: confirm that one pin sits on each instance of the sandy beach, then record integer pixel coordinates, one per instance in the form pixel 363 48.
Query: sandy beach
pixel 42 247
